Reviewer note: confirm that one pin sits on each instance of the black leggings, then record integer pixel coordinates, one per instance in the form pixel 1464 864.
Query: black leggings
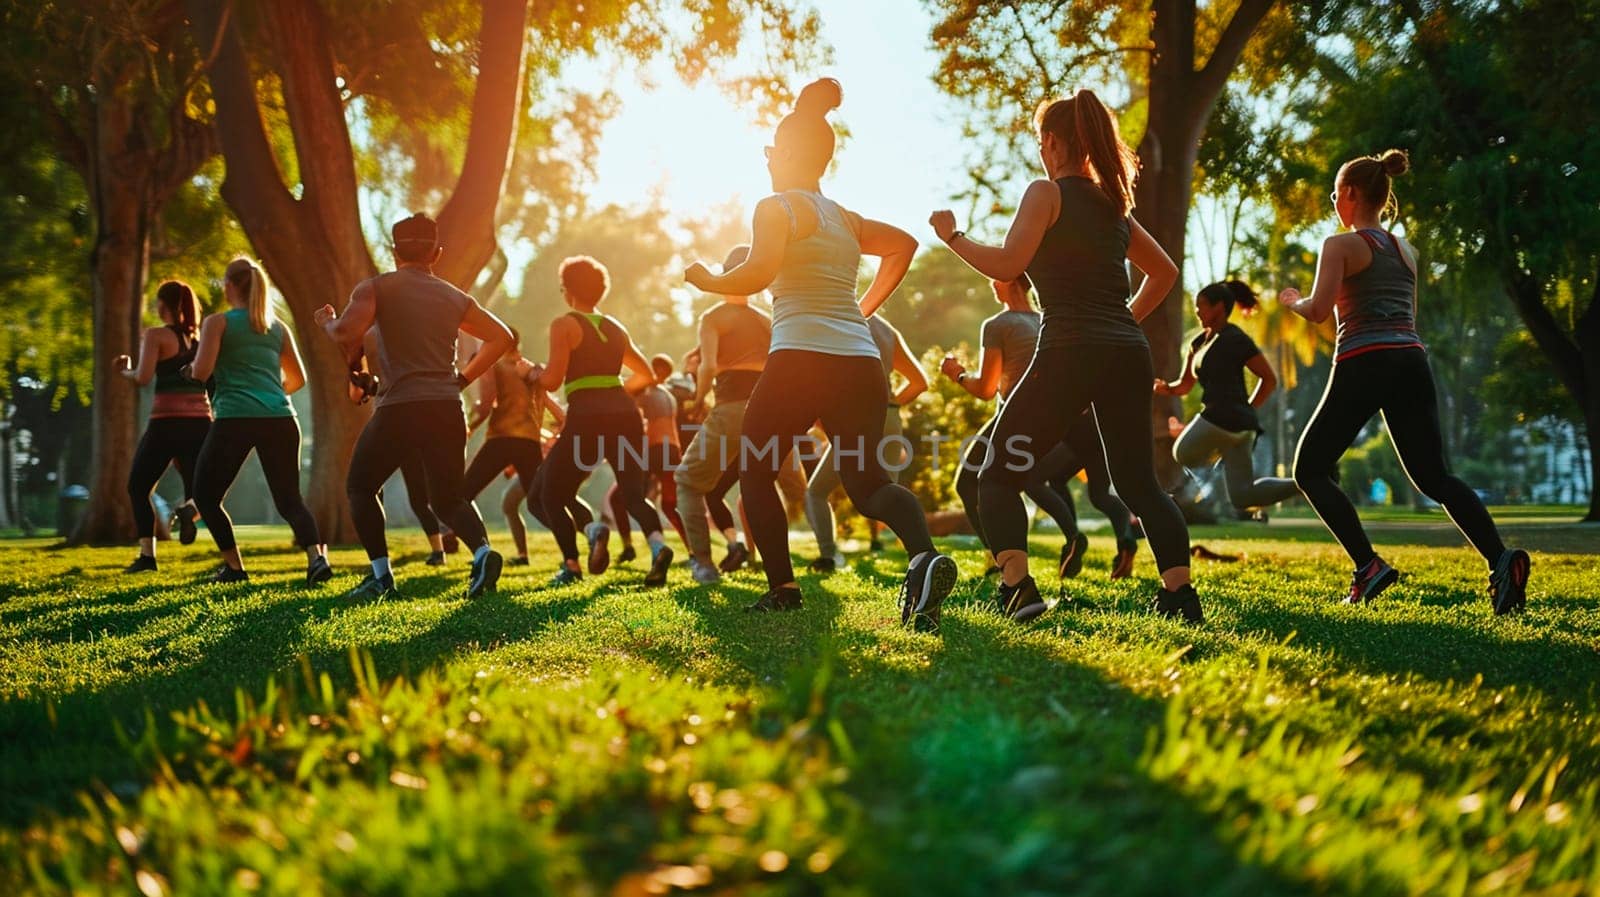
pixel 582 515
pixel 416 480
pixel 604 426
pixel 848 393
pixel 276 442
pixel 1081 450
pixel 1060 384
pixel 435 432
pixel 166 441
pixel 496 454
pixel 717 499
pixel 1399 383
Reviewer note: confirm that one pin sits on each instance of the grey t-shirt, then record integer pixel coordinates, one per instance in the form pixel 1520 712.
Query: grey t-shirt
pixel 1015 334
pixel 419 316
pixel 656 402
pixel 884 336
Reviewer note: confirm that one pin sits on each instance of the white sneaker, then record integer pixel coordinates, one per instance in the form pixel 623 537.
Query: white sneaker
pixel 704 573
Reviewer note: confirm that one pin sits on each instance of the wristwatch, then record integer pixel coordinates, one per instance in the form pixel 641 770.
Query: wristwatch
pixel 955 235
pixel 961 377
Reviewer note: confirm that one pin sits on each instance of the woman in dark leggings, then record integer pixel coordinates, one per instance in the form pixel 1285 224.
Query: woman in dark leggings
pixel 366 383
pixel 587 350
pixel 1367 279
pixel 256 367
pixel 1073 235
pixel 180 415
pixel 823 363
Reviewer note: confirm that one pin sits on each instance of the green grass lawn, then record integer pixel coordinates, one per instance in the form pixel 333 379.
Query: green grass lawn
pixel 160 736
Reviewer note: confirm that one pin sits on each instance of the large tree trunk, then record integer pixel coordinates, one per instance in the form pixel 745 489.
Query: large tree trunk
pixel 1587 337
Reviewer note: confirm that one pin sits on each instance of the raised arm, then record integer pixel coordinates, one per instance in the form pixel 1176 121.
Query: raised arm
pixel 1160 273
pixel 492 332
pixel 769 238
pixel 1040 205
pixel 894 249
pixel 1332 262
pixel 907 366
pixel 349 328
pixel 294 373
pixel 205 354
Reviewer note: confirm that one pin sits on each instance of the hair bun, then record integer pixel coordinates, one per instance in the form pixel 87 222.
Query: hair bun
pixel 1395 162
pixel 1243 297
pixel 819 97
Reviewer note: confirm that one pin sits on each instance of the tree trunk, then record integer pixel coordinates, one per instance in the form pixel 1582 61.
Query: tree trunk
pixel 1587 336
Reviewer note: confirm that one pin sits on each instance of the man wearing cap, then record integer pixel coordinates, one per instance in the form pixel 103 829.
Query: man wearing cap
pixel 419 409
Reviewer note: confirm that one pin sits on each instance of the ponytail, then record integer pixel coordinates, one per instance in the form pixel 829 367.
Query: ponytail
pixel 1089 133
pixel 1373 179
pixel 178 299
pixel 252 282
pixel 805 132
pixel 1232 293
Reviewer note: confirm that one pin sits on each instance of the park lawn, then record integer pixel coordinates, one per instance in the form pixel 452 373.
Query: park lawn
pixel 159 736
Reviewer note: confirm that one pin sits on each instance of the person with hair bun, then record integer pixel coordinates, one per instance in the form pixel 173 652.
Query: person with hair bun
pixel 1226 426
pixel 180 416
pixel 1073 235
pixel 1367 281
pixel 256 366
pixel 824 363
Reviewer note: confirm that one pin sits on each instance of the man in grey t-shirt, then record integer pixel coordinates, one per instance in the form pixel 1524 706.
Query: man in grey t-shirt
pixel 419 408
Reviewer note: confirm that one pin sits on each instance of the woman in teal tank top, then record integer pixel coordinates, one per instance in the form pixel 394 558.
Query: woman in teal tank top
pixel 253 361
pixel 824 363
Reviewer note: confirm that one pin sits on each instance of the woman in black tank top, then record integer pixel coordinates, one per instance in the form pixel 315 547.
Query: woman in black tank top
pixel 587 352
pixel 1073 237
pixel 180 417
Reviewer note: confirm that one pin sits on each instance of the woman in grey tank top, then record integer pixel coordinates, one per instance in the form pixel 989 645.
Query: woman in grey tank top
pixel 1367 279
pixel 823 365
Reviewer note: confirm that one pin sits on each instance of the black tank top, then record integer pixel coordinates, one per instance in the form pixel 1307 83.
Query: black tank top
pixel 168 378
pixel 592 379
pixel 1081 272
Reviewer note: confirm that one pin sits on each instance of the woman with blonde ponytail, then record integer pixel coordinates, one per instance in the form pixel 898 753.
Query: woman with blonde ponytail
pixel 1367 281
pixel 1073 236
pixel 255 366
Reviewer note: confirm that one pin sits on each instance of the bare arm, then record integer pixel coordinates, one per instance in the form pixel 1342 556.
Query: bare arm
pixel 149 354
pixel 1160 273
pixel 1267 382
pixel 294 373
pixel 644 376
pixel 1332 263
pixel 907 366
pixel 708 361
pixel 205 355
pixel 1040 205
pixel 991 365
pixel 348 329
pixel 495 335
pixel 1182 385
pixel 894 249
pixel 488 394
pixel 564 334
pixel 769 238
pixel 557 412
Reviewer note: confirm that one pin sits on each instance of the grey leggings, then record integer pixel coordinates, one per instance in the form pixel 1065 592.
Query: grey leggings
pixel 825 479
pixel 1203 442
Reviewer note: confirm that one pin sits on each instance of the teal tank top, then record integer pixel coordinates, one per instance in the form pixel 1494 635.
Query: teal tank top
pixel 814 305
pixel 249 373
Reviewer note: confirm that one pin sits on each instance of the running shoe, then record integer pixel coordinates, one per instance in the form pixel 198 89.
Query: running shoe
pixel 1072 553
pixel 520 560
pixel 144 563
pixel 929 578
pixel 704 572
pixel 992 572
pixel 485 574
pixel 226 573
pixel 1022 602
pixel 1369 582
pixel 627 554
pixel 1122 565
pixel 875 546
pixel 435 559
pixel 1508 581
pixel 827 564
pixel 787 598
pixel 373 588
pixel 318 571
pixel 599 536
pixel 183 517
pixel 566 576
pixel 659 565
pixel 736 557
pixel 1183 603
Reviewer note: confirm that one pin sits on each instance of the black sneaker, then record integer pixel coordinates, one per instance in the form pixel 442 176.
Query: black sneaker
pixel 183 517
pixel 485 574
pixel 1122 565
pixel 226 573
pixel 1508 581
pixel 435 559
pixel 736 557
pixel 372 588
pixel 566 576
pixel 1184 603
pixel 627 555
pixel 318 571
pixel 827 563
pixel 787 598
pixel 1370 581
pixel 658 567
pixel 520 560
pixel 144 563
pixel 599 536
pixel 1022 601
pixel 1072 555
pixel 929 578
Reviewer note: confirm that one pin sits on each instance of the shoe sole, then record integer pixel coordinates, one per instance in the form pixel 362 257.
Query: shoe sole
pixel 1072 562
pixel 1028 612
pixel 732 563
pixel 1379 585
pixel 488 577
pixel 658 568
pixel 1521 566
pixel 319 576
pixel 600 551
pixel 936 586
pixel 1123 567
